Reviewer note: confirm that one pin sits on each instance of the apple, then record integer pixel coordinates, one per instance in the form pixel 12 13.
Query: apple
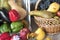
pixel 5 36
pixel 58 13
pixel 23 33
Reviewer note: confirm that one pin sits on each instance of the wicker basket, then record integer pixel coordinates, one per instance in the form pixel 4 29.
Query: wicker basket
pixel 49 25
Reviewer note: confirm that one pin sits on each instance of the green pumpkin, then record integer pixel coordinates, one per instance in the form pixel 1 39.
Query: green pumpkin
pixel 5 28
pixel 16 26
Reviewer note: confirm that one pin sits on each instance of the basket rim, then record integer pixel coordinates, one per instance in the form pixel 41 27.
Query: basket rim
pixel 36 17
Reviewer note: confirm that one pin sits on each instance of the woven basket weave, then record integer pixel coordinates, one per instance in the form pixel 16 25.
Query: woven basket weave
pixel 50 25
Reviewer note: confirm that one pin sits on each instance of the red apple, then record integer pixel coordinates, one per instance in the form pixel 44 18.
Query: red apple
pixel 23 33
pixel 5 36
pixel 58 13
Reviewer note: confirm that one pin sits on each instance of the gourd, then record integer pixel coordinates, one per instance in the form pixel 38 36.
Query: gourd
pixel 18 8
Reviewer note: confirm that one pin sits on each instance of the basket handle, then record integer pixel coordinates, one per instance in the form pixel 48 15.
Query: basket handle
pixel 38 1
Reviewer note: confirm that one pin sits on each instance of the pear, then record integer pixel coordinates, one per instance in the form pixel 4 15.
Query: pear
pixel 48 38
pixel 40 34
pixel 54 7
pixel 6 5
